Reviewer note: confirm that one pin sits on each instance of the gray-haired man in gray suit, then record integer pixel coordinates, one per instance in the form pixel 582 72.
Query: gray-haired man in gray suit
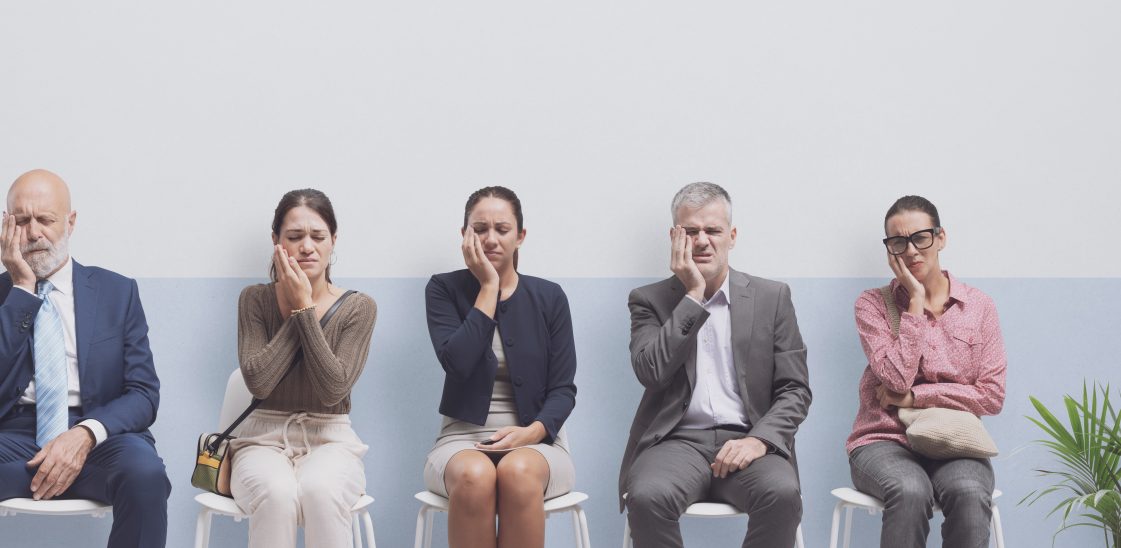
pixel 724 368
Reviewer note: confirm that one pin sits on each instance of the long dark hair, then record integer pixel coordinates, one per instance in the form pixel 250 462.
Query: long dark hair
pixel 502 193
pixel 913 203
pixel 313 200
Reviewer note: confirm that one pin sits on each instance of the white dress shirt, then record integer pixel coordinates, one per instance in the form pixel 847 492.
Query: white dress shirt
pixel 62 298
pixel 716 397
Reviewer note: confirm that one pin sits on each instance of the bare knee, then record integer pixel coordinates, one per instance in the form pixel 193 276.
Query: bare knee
pixel 522 476
pixel 470 478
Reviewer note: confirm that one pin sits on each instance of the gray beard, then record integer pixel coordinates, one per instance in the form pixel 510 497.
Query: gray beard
pixel 45 264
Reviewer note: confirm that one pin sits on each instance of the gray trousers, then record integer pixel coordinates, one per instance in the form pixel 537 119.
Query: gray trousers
pixel 909 484
pixel 666 478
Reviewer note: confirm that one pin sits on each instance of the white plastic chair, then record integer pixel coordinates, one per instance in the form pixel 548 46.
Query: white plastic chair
pixel 851 499
pixel 236 400
pixel 707 510
pixel 431 503
pixel 57 507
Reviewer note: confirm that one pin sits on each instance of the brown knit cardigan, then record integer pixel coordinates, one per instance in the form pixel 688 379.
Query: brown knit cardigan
pixel 332 359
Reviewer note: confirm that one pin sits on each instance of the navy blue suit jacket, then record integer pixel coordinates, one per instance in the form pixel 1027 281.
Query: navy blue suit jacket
pixel 116 372
pixel 536 331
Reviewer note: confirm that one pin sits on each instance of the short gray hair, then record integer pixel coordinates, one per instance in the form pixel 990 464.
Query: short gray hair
pixel 696 195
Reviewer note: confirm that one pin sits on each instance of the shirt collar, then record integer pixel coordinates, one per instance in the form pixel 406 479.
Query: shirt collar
pixel 722 292
pixel 957 289
pixel 63 280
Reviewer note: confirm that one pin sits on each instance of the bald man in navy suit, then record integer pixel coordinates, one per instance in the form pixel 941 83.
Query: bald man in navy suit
pixel 78 387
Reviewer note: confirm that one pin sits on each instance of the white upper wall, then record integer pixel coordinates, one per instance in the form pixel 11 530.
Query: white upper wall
pixel 179 125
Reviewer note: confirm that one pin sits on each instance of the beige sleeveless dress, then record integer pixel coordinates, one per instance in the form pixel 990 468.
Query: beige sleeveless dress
pixel 456 435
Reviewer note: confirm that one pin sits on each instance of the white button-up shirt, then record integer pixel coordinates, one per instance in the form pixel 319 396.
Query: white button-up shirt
pixel 716 397
pixel 62 298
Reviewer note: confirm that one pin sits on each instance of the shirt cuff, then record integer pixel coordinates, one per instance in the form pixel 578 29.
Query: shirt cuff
pixel 27 291
pixel 694 299
pixel 98 429
pixel 925 395
pixel 771 449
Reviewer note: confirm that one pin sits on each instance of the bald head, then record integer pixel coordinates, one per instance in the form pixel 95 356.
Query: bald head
pixel 42 187
pixel 39 205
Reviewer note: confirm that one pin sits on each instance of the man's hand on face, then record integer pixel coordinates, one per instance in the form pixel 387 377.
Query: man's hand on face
pixel 59 462
pixel 682 264
pixel 10 239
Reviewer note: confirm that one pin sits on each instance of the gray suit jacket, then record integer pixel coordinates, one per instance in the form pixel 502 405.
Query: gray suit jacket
pixel 767 350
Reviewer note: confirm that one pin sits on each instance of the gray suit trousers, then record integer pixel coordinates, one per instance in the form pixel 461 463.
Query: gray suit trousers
pixel 909 485
pixel 668 477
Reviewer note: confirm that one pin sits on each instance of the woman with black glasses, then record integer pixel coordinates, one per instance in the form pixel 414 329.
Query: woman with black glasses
pixel 947 352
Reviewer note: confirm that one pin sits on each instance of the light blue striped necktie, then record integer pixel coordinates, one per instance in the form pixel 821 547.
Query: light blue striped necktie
pixel 50 371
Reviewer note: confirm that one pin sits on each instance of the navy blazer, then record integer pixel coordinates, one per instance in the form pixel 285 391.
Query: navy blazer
pixel 536 331
pixel 115 368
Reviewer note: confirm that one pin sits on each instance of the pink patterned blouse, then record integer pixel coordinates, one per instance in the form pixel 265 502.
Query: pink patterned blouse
pixel 956 361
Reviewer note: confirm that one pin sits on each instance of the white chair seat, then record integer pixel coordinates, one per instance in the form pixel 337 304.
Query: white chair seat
pixel 226 506
pixel 708 510
pixel 854 497
pixel 57 507
pixel 851 499
pixel 711 510
pixel 430 503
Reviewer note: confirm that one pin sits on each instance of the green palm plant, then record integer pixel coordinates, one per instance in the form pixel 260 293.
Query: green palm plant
pixel 1089 452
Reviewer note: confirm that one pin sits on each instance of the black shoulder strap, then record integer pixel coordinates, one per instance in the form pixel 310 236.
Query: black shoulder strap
pixel 299 354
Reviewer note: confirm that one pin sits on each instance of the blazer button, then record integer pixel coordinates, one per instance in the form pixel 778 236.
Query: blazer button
pixel 684 405
pixel 509 341
pixel 517 381
pixel 657 437
pixel 25 324
pixel 502 308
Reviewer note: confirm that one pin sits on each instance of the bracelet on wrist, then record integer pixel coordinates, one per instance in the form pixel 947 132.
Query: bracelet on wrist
pixel 304 309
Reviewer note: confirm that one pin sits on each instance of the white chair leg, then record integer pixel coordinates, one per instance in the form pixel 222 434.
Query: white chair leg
pixel 577 537
pixel 997 530
pixel 355 534
pixel 626 532
pixel 368 525
pixel 418 540
pixel 798 543
pixel 835 528
pixel 429 520
pixel 585 535
pixel 848 526
pixel 202 529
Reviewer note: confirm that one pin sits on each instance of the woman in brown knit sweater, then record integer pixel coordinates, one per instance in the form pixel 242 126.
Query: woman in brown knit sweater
pixel 296 455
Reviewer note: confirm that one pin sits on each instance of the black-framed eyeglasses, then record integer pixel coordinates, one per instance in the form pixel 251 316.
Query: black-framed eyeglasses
pixel 897 245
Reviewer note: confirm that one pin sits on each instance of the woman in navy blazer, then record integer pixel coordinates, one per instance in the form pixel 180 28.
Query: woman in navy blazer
pixel 505 343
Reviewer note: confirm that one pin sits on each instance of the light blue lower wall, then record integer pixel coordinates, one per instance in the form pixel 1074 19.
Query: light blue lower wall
pixel 1057 332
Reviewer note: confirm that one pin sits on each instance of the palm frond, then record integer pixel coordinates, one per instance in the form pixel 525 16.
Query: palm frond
pixel 1087 449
